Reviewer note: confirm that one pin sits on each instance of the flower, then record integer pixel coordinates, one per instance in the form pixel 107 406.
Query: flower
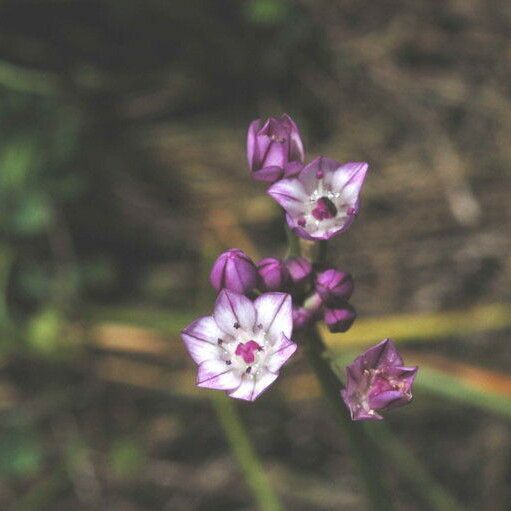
pixel 323 199
pixel 274 149
pixel 333 284
pixel 377 380
pixel 340 318
pixel 242 346
pixel 273 273
pixel 300 269
pixel 234 270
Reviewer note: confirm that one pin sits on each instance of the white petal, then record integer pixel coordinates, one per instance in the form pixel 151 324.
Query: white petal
pixel 216 374
pixel 275 314
pixel 349 178
pixel 282 352
pixel 233 310
pixel 201 339
pixel 309 175
pixel 252 387
pixel 289 193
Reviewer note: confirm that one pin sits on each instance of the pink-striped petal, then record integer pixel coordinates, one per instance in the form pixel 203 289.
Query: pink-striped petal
pixel 275 314
pixel 232 311
pixel 252 387
pixel 201 339
pixel 290 194
pixel 283 350
pixel 216 374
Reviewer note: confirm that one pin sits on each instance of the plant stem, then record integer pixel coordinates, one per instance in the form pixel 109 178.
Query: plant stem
pixel 244 453
pixel 361 445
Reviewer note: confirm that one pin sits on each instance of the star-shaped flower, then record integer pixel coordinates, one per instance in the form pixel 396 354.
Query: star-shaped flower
pixel 323 199
pixel 242 346
pixel 377 380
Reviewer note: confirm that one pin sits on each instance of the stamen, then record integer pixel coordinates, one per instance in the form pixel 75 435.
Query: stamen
pixel 220 342
pixel 236 325
pixel 249 369
pixel 228 362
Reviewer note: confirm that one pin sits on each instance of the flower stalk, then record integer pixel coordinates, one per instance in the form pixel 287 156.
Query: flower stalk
pixel 360 444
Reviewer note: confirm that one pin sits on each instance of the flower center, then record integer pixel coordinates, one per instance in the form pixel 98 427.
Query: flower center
pixel 324 209
pixel 247 351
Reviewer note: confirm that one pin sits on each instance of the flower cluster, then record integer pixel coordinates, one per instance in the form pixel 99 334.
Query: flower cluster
pixel 241 347
pixel 316 294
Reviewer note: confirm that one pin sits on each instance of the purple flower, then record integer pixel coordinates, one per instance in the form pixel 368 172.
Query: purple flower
pixel 234 270
pixel 273 273
pixel 340 318
pixel 377 380
pixel 323 199
pixel 300 269
pixel 274 149
pixel 333 284
pixel 242 346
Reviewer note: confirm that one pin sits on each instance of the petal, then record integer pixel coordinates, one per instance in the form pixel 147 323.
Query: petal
pixel 268 174
pixel 282 352
pixel 252 149
pixel 216 374
pixel 309 175
pixel 252 386
pixel 277 154
pixel 233 311
pixel 296 151
pixel 275 314
pixel 290 194
pixel 349 179
pixel 201 339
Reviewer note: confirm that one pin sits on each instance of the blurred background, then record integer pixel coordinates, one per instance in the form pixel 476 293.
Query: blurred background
pixel 123 173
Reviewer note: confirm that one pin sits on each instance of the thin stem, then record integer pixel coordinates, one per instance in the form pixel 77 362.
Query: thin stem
pixel 293 244
pixel 244 453
pixel 360 444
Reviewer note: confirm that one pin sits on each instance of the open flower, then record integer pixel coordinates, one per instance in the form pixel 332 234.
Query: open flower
pixel 323 199
pixel 377 380
pixel 242 346
pixel 274 149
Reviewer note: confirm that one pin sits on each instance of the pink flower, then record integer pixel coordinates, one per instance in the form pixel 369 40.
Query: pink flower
pixel 377 380
pixel 234 270
pixel 323 199
pixel 242 346
pixel 274 149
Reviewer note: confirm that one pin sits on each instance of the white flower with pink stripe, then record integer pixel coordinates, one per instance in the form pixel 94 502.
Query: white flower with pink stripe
pixel 242 346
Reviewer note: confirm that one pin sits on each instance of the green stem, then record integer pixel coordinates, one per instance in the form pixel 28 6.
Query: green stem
pixel 244 453
pixel 293 243
pixel 360 444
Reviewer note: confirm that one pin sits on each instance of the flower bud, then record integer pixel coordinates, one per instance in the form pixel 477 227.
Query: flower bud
pixel 333 285
pixel 302 317
pixel 339 319
pixel 274 149
pixel 235 271
pixel 273 274
pixel 300 269
pixel 377 380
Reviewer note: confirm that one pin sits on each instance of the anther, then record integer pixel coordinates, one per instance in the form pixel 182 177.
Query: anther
pixel 236 325
pixel 228 362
